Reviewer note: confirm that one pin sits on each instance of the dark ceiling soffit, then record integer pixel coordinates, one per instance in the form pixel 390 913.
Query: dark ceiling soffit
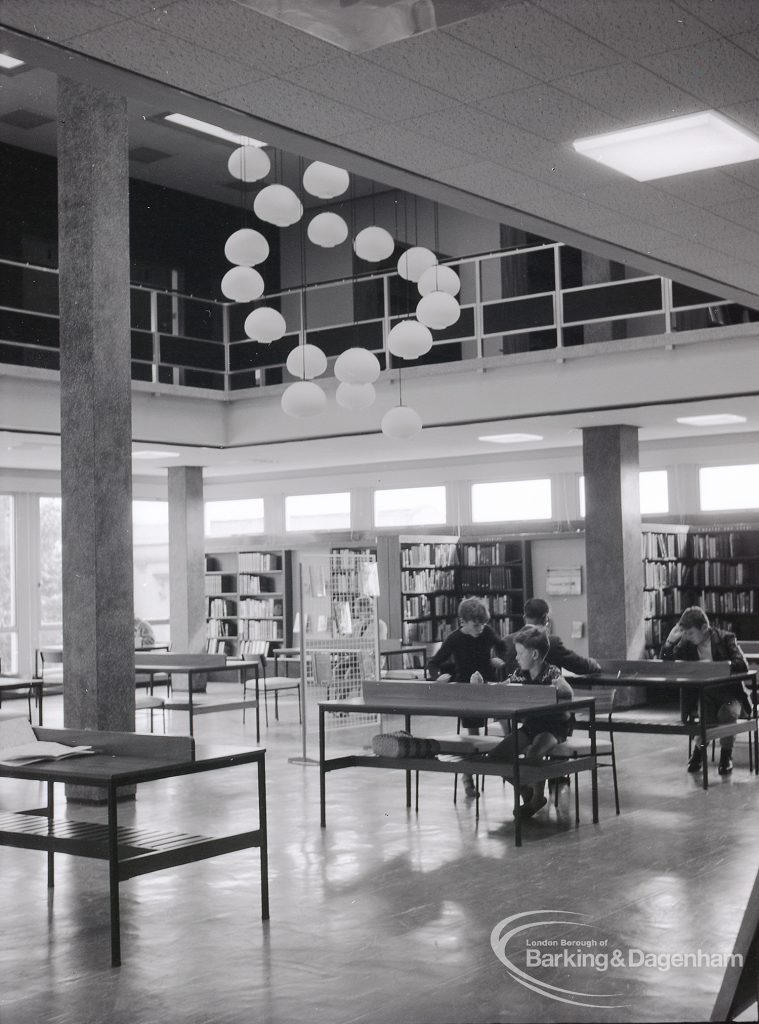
pixel 71 64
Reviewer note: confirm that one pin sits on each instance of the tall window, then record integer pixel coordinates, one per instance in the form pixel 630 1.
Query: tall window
pixel 150 541
pixel 410 506
pixel 318 511
pixel 511 501
pixel 51 579
pixel 8 635
pixel 229 518
pixel 654 493
pixel 729 487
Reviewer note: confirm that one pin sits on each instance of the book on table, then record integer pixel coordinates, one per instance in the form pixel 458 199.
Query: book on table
pixel 19 745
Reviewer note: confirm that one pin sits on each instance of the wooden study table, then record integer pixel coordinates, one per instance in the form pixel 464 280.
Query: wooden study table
pixel 391 648
pixel 128 759
pixel 32 686
pixel 191 665
pixel 698 676
pixel 453 700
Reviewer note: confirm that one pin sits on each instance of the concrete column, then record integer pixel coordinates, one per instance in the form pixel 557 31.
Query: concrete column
pixel 96 429
pixel 612 542
pixel 187 560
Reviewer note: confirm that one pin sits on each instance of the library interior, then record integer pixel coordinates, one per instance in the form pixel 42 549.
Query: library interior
pixel 353 356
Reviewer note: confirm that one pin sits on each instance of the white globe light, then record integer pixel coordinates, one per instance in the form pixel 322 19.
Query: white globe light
pixel 242 284
pixel 249 163
pixel 246 247
pixel 374 244
pixel 409 339
pixel 355 396
pixel 303 398
pixel 324 180
pixel 439 279
pixel 306 361
pixel 415 261
pixel 278 204
pixel 401 422
pixel 265 325
pixel 438 310
pixel 357 366
pixel 327 230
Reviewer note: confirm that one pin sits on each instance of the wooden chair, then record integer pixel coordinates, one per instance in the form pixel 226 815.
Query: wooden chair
pixel 259 649
pixel 579 746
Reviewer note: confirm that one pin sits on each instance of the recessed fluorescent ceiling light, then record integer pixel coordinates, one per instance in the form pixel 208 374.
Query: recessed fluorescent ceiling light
pixel 674 146
pixel 9 63
pixel 148 455
pixel 510 438
pixel 211 129
pixel 716 419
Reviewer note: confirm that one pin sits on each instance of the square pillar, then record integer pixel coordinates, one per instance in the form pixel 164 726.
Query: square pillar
pixel 96 427
pixel 613 542
pixel 187 560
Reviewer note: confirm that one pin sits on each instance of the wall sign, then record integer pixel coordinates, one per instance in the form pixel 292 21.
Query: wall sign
pixel 564 582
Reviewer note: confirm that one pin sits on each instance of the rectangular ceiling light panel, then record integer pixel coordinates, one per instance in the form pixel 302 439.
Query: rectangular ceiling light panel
pixel 205 128
pixel 675 146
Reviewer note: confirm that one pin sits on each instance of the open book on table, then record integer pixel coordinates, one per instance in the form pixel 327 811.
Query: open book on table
pixel 19 745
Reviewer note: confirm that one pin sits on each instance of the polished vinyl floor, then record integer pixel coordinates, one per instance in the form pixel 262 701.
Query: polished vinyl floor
pixel 387 915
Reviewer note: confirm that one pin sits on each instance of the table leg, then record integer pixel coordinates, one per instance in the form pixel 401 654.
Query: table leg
pixel 189 698
pixel 258 710
pixel 408 774
pixel 517 798
pixel 704 748
pixel 264 848
pixel 594 771
pixel 113 873
pixel 39 704
pixel 50 853
pixel 322 773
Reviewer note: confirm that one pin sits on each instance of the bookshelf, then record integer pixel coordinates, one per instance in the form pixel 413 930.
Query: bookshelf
pixel 716 568
pixel 498 571
pixel 249 599
pixel 429 588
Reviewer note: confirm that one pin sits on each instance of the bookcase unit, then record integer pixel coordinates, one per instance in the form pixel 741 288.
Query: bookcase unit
pixel 496 570
pixel 716 568
pixel 249 598
pixel 429 588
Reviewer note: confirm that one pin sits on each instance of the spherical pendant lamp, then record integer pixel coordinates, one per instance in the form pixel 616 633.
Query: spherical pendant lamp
pixel 401 422
pixel 242 284
pixel 324 180
pixel 249 163
pixel 303 398
pixel 306 361
pixel 357 366
pixel 409 339
pixel 374 244
pixel 246 247
pixel 355 397
pixel 265 325
pixel 278 204
pixel 415 261
pixel 327 230
pixel 438 310
pixel 439 279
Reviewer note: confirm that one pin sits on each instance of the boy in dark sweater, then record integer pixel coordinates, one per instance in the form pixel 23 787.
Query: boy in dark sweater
pixel 471 654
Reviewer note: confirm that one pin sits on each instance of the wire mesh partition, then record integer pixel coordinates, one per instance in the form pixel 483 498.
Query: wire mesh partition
pixel 339 621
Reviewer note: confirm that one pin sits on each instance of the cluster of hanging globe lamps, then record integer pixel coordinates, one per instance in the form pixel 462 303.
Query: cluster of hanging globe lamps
pixel 357 368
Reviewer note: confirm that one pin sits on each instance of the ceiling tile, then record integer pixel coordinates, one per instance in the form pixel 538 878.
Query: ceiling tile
pixel 717 72
pixel 449 65
pixel 635 27
pixel 353 80
pixel 288 105
pixel 478 132
pixel 125 8
pixel 707 188
pixel 533 40
pixel 639 201
pixel 638 237
pixel 550 113
pixel 489 179
pixel 630 93
pixel 747 173
pixel 54 21
pixel 564 169
pixel 240 33
pixel 160 56
pixel 393 144
pixel 728 16
pixel 745 114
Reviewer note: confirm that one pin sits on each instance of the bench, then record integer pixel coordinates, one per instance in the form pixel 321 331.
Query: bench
pixel 452 700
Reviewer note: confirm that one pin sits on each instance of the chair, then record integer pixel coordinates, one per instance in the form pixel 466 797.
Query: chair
pixel 576 746
pixel 48 666
pixel 17 691
pixel 259 649
pixel 147 702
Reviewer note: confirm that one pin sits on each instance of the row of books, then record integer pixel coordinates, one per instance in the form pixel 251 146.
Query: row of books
pixel 416 607
pixel 429 554
pixel 260 629
pixel 664 574
pixel 490 554
pixel 219 627
pixel 219 608
pixel 259 561
pixel 670 602
pixel 495 577
pixel 256 584
pixel 250 607
pixel 721 574
pixel 730 544
pixel 220 584
pixel 664 545
pixel 742 602
pixel 419 581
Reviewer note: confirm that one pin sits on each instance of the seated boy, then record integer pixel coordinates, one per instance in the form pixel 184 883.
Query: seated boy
pixel 539 733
